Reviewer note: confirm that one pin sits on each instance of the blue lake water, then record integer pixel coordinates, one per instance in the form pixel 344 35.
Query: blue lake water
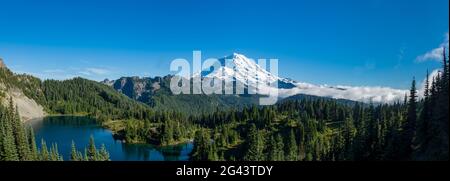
pixel 63 129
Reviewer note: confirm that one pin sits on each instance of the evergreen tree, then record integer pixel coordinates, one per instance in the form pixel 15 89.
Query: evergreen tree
pixel 74 154
pixel 86 156
pixel 54 154
pixel 272 149
pixel 276 148
pixel 2 130
pixel 301 145
pixel 212 153
pixel 424 120
pixel 92 150
pixel 409 127
pixel 201 148
pixel 177 133
pixel 436 144
pixel 103 154
pixel 167 132
pixel 255 145
pixel 20 136
pixel 44 154
pixel 32 144
pixel 349 133
pixel 9 149
pixel 291 148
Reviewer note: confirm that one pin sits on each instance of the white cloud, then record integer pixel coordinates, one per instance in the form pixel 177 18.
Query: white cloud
pixel 54 71
pixel 96 71
pixel 435 54
pixel 356 93
pixel 92 72
pixel 365 94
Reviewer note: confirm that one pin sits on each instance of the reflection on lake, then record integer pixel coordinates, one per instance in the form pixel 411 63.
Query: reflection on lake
pixel 63 129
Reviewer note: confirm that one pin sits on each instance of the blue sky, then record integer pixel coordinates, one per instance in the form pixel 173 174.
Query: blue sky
pixel 336 42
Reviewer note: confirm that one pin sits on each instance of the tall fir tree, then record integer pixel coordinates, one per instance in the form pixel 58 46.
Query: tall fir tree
pixel 103 154
pixel 9 149
pixel 409 127
pixel 74 154
pixel 422 134
pixel 92 150
pixel 201 146
pixel 32 145
pixel 276 148
pixel 255 145
pixel 44 153
pixel 23 149
pixel 291 147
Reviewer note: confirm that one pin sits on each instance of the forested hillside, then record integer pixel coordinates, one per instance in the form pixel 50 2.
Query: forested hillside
pixel 17 142
pixel 82 96
pixel 75 96
pixel 320 129
pixel 156 93
pixel 29 85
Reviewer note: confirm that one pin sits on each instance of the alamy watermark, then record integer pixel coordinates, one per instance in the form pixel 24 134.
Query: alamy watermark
pixel 234 75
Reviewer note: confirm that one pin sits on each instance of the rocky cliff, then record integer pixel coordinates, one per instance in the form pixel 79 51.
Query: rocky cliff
pixel 11 87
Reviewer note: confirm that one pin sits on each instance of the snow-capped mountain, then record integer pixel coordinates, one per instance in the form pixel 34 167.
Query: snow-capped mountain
pixel 236 67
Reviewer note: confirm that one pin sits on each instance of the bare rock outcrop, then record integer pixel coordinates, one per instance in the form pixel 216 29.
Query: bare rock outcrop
pixel 2 64
pixel 28 108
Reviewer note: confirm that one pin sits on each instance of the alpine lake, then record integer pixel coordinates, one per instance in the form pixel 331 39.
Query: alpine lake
pixel 62 130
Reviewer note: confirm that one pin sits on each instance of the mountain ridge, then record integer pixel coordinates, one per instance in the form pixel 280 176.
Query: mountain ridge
pixel 156 93
pixel 78 96
pixel 234 68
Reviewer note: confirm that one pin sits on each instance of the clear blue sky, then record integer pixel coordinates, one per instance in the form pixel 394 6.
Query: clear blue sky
pixel 346 42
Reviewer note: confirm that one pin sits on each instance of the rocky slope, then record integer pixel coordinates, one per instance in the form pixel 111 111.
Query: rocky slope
pixel 2 64
pixel 28 108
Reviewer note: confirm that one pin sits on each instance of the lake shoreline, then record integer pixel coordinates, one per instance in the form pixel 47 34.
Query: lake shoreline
pixel 67 128
pixel 117 128
pixel 115 132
